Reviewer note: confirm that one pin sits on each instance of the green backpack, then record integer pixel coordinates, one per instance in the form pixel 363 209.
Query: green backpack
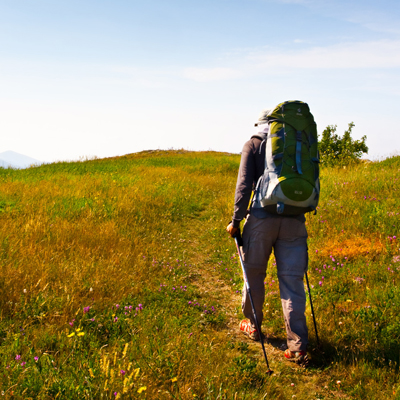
pixel 290 183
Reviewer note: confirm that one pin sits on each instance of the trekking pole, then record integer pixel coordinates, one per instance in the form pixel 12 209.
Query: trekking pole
pixel 312 309
pixel 239 242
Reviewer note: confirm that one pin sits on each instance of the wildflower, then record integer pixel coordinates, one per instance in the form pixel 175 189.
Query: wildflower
pixel 71 334
pixel 292 384
pixel 174 379
pixel 18 357
pixel 36 358
pixel 81 333
pixel 86 309
pixel 23 364
pixel 142 389
pixel 320 283
pixel 115 319
pixel 117 306
pixel 140 307
pixel 338 382
pixel 123 372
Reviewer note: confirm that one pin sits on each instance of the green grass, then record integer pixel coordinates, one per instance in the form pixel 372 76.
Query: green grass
pixel 118 275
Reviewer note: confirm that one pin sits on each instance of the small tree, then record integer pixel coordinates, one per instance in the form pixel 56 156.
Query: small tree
pixel 336 150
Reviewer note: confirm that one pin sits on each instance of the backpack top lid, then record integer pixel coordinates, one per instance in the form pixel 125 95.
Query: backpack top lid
pixel 293 112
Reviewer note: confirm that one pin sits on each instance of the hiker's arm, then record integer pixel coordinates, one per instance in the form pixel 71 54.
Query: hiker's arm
pixel 244 185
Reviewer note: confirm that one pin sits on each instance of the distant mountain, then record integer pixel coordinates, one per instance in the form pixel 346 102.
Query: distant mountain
pixel 15 160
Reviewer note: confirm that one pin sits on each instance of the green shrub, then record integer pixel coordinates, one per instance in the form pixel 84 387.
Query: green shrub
pixel 336 150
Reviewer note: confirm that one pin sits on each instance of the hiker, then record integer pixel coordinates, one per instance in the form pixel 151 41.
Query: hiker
pixel 262 232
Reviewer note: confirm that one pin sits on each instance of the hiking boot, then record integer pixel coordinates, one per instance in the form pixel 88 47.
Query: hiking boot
pixel 299 357
pixel 248 330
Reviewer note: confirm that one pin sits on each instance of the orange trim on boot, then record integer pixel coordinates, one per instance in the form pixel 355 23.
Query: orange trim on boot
pixel 248 330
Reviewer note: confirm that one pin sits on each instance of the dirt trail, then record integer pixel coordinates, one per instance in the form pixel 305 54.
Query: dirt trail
pixel 209 282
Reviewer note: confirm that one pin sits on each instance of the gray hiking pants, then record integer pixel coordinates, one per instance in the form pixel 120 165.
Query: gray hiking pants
pixel 288 238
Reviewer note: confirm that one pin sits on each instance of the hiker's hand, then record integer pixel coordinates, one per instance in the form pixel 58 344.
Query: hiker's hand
pixel 231 229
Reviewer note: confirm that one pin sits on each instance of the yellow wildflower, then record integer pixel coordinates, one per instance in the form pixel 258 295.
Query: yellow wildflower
pixel 125 350
pixel 142 389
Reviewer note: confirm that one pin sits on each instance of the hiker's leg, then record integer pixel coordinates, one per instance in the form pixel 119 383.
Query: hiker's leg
pixel 291 258
pixel 258 238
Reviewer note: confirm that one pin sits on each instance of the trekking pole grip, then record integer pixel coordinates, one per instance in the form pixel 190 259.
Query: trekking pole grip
pixel 239 238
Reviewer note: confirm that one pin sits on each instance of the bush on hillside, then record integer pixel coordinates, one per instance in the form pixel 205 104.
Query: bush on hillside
pixel 336 150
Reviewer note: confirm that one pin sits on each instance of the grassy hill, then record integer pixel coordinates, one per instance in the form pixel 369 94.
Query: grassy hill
pixel 118 280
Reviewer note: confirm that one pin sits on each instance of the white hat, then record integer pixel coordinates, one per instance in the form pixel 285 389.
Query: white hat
pixel 262 118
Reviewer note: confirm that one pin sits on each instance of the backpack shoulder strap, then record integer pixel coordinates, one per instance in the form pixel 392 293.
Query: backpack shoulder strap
pixel 262 136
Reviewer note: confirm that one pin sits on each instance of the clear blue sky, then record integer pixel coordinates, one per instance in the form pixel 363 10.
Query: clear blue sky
pixel 104 78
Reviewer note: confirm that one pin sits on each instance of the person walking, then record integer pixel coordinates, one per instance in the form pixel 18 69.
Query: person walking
pixel 262 232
